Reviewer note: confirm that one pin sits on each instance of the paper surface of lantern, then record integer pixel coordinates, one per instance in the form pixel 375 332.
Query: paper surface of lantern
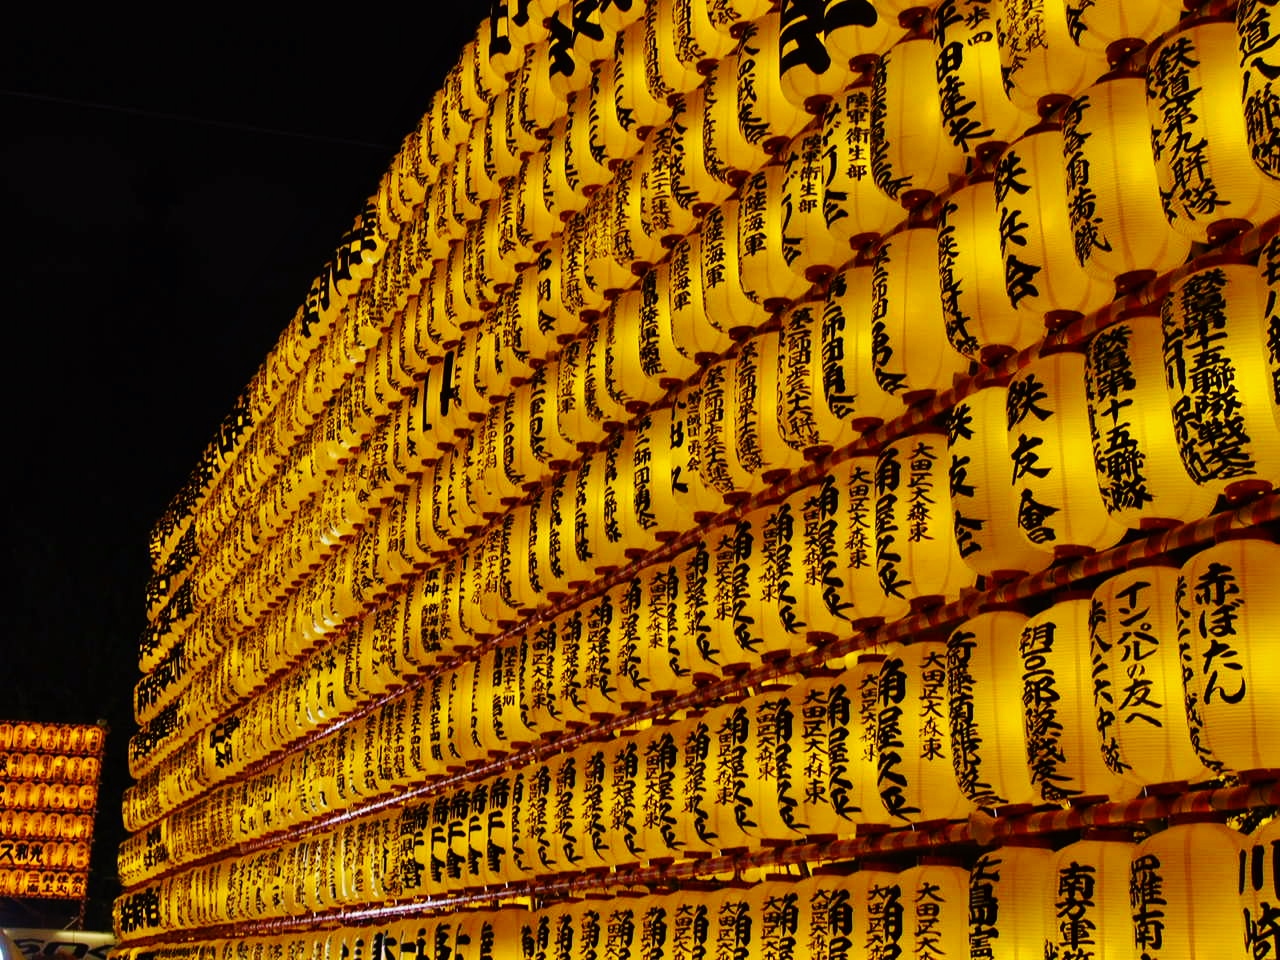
pixel 764 255
pixel 912 155
pixel 718 459
pixel 810 73
pixel 1203 159
pixel 810 248
pixel 937 914
pixel 1088 899
pixel 1009 897
pixel 1064 751
pixel 1117 217
pixel 1140 475
pixel 727 155
pixel 913 756
pixel 984 683
pixel 727 303
pixel 1039 59
pixel 1217 379
pixel 880 907
pixel 766 118
pixel 1224 612
pixel 854 208
pixel 1255 27
pixel 759 440
pixel 1059 506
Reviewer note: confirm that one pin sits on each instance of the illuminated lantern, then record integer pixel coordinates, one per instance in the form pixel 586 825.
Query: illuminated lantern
pixel 766 118
pixel 1137 678
pixel 694 182
pixel 1221 391
pixel 662 652
pixel 659 756
pixel 880 908
pixel 551 559
pixel 755 405
pixel 1040 63
pixel 728 304
pixel 975 110
pixel 576 421
pixel 1140 475
pixel 667 493
pixel 624 769
pixel 853 207
pixel 547 691
pixel 665 213
pixel 1059 719
pixel 912 154
pixel 1255 27
pixel 1041 274
pixel 697 631
pixel 764 254
pixel 848 338
pixel 540 90
pixel 1087 902
pixel 488 77
pixel 632 96
pixel 730 773
pixel 692 329
pixel 856 477
pixel 637 237
pixel 561 177
pixel 535 221
pixel 811 74
pixel 773 749
pixel 936 918
pixel 1009 894
pixel 984 677
pixel 693 784
pixel 826 755
pixel 619 131
pixel 1114 200
pixel 917 557
pixel 909 353
pixel 1059 506
pixel 813 405
pixel 647 332
pixel 728 463
pixel 674 54
pixel 1209 184
pixel 739 635
pixel 585 245
pixel 804 536
pixel 980 321
pixel 1224 613
pixel 810 249
pixel 914 774
pixel 726 153
pixel 1097 26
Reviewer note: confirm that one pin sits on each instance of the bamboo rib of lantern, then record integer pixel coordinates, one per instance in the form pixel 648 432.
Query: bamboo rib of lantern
pixel 1263 510
pixel 1149 294
pixel 903 840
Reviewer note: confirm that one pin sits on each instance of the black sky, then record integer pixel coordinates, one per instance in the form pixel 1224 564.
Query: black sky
pixel 169 189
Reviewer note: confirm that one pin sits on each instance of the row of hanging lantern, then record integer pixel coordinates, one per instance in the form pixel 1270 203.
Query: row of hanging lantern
pixel 61 738
pixel 27 795
pixel 1155 680
pixel 1196 889
pixel 42 883
pixel 45 766
pixel 941 504
pixel 44 825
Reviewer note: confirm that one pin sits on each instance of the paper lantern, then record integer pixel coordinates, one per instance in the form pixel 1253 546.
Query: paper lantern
pixel 910 355
pixel 718 458
pixel 912 154
pixel 773 748
pixel 854 208
pixel 660 356
pixel 880 909
pixel 666 212
pixel 810 249
pixel 1087 904
pixel 692 328
pixel 638 238
pixel 764 254
pixel 937 921
pixel 767 119
pixel 1098 26
pixel 849 339
pixel 804 535
pixel 1220 390
pixel 727 154
pixel 1257 882
pixel 694 179
pixel 812 403
pixel 661 650
pixel 670 71
pixel 578 419
pixel 856 477
pixel 728 304
pixel 913 758
pixel 1182 894
pixel 731 775
pixel 633 98
pixel 1041 276
pixel 1063 748
pixel 1059 506
pixel 739 577
pixel 758 439
pixel 565 188
pixel 1208 180
pixel 1140 475
pixel 1221 630
pixel 1039 61
pixel 811 73
pixel 1255 29
pixel 980 321
pixel 1009 894
pixel 667 494
pixel 984 680
pixel 825 717
pixel 1117 218
pixel 917 558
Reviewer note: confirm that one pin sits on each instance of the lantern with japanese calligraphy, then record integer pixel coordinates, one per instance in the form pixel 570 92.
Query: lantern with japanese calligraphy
pixel 693 785
pixel 812 73
pixel 667 211
pixel 804 534
pixel 631 94
pixel 980 321
pixel 853 207
pixel 825 716
pixel 669 70
pixel 1087 898
pixel 809 248
pixel 692 330
pixel 661 652
pixel 1256 29
pixel 1258 884
pixel 667 494
pixel 1141 478
pixel 912 154
pixel 984 680
pixel 1008 903
pixel 1114 200
pixel 767 119
pixel 759 440
pixel 773 749
pixel 936 920
pixel 727 155
pixel 1209 184
pixel 813 405
pixel 624 772
pixel 1182 893
pixel 1220 386
pixel 880 905
pixel 764 254
pixel 731 775
pixel 1039 60
pixel 1041 273
pixel 1226 610
pixel 1059 506
pixel 602 659
pixel 565 187
pixel 740 619
pixel 917 557
pixel 728 304
pixel 1059 718
pixel 910 355
pixel 914 774
pixel 718 459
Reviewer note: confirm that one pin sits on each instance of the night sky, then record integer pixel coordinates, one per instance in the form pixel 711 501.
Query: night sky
pixel 169 192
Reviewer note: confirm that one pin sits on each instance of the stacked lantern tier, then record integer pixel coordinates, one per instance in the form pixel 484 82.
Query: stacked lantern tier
pixel 740 441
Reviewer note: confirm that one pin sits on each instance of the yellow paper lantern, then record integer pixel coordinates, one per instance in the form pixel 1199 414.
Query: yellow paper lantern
pixel 755 404
pixel 856 477
pixel 984 677
pixel 667 493
pixel 826 716
pixel 1140 475
pixel 849 339
pixel 1088 899
pixel 1059 505
pixel 880 908
pixel 1203 160
pixel 692 328
pixel 813 405
pixel 764 254
pixel 671 66
pixel 1223 620
pixel 1064 751
pixel 767 119
pixel 1182 897
pixel 1220 388
pixel 914 773
pixel 812 72
pixel 738 579
pixel 806 584
pixel 633 98
pixel 1041 274
pixel 727 303
pixel 936 923
pixel 1009 894
pixel 917 557
pixel 727 154
pixel 666 209
pixel 912 155
pixel 694 180
pixel 1256 36
pixel 1114 199
pixel 1040 63
pixel 718 456
pixel 856 211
